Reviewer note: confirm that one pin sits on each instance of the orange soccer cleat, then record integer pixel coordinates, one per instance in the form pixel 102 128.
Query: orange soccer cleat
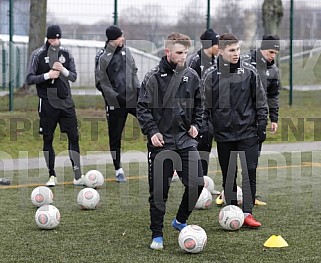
pixel 250 221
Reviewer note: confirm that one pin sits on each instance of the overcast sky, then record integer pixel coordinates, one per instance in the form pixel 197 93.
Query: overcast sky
pixel 91 11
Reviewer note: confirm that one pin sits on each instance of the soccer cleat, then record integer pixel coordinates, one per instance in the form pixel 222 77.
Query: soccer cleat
pixel 52 181
pixel 120 178
pixel 4 181
pixel 80 181
pixel 249 221
pixel 177 225
pixel 219 200
pixel 157 243
pixel 258 202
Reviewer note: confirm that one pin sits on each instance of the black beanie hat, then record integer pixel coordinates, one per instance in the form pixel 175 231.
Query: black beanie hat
pixel 113 32
pixel 53 31
pixel 209 38
pixel 270 42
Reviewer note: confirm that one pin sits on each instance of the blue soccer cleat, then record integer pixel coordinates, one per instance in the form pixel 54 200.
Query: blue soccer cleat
pixel 177 225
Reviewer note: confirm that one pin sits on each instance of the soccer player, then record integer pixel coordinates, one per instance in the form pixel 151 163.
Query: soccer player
pixel 264 60
pixel 51 67
pixel 200 62
pixel 237 102
pixel 116 78
pixel 170 112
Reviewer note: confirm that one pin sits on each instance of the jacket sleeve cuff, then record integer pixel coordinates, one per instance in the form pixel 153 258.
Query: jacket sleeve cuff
pixel 46 76
pixel 65 72
pixel 152 132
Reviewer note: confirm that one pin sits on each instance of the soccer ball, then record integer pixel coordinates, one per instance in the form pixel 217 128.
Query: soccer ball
pixel 41 195
pixel 239 196
pixel 88 198
pixel 205 199
pixel 94 179
pixel 231 217
pixel 47 217
pixel 192 239
pixel 209 184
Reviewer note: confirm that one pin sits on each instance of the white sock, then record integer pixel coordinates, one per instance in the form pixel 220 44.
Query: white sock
pixel 119 171
pixel 246 214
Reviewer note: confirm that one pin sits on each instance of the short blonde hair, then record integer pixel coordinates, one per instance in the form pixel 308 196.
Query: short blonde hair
pixel 177 38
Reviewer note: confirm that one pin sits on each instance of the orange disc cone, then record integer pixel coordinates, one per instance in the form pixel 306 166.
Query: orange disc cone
pixel 275 241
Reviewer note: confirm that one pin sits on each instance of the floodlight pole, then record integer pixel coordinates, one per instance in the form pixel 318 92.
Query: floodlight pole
pixel 291 55
pixel 208 18
pixel 11 79
pixel 115 12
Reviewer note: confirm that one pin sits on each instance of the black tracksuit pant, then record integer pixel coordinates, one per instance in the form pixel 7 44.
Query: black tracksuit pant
pixel 50 116
pixel 116 119
pixel 205 146
pixel 161 166
pixel 247 150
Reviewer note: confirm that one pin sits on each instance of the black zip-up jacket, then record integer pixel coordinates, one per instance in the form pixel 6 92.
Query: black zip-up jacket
pixel 116 76
pixel 58 91
pixel 200 62
pixel 270 77
pixel 236 99
pixel 170 101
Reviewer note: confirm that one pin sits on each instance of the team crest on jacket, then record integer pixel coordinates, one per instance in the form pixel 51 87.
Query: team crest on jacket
pixel 185 79
pixel 46 60
pixel 62 59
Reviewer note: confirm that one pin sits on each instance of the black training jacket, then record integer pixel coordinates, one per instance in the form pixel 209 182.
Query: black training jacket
pixel 59 89
pixel 116 76
pixel 236 99
pixel 170 101
pixel 270 77
pixel 200 62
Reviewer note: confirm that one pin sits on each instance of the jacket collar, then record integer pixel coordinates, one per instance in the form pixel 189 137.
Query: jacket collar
pixel 261 62
pixel 169 67
pixel 226 67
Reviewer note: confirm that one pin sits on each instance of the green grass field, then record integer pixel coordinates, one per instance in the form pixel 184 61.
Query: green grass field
pixel 118 231
pixel 19 129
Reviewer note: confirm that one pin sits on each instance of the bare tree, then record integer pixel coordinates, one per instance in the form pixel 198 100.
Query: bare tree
pixel 229 18
pixel 250 27
pixel 37 26
pixel 148 23
pixel 272 13
pixel 192 20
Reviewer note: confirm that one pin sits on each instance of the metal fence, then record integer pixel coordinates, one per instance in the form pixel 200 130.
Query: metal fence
pixel 146 23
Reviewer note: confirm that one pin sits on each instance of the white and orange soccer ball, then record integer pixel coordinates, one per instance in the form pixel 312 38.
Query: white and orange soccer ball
pixel 209 185
pixel 231 217
pixel 192 239
pixel 88 198
pixel 239 196
pixel 41 195
pixel 47 217
pixel 205 199
pixel 94 179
